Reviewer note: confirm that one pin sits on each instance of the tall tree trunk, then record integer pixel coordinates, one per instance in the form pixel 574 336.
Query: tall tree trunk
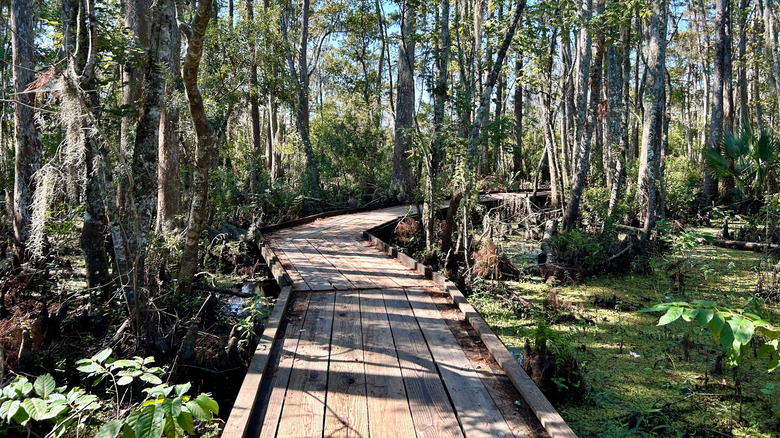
pixel 254 107
pixel 716 125
pixel 770 27
pixel 655 50
pixel 92 238
pixel 744 109
pixel 568 129
pixel 138 21
pixel 517 151
pixel 404 114
pixel 440 98
pixel 584 146
pixel 302 113
pixel 205 140
pixel 616 117
pixel 27 158
pixel 583 71
pixel 545 104
pixel 168 168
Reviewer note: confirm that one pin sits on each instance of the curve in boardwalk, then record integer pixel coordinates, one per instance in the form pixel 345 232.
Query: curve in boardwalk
pixel 365 350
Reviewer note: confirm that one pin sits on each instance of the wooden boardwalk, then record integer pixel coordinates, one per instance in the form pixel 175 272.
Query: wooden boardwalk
pixel 369 348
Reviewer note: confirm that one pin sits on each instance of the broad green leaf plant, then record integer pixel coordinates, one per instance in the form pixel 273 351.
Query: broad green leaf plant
pixel 23 402
pixel 733 328
pixel 166 410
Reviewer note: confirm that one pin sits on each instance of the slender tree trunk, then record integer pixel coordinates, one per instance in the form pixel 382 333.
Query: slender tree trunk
pixel 404 114
pixel 744 109
pixel 93 242
pixel 757 62
pixel 716 126
pixel 204 143
pixel 28 150
pixel 168 168
pixel 254 107
pixel 655 50
pixel 568 132
pixel 302 114
pixel 774 45
pixel 584 147
pixel 517 151
pixel 138 21
pixel 615 114
pixel 583 71
pixel 440 97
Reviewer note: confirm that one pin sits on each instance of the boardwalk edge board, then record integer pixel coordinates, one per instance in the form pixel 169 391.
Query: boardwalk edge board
pixel 238 422
pixel 542 408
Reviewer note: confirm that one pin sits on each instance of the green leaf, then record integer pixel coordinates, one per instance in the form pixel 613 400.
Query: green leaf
pixel 151 378
pixel 13 409
pixel 110 429
pixel 727 337
pixel 671 315
pixel 703 316
pixel 35 407
pixel 45 385
pixel 4 409
pixel 207 403
pixel 102 356
pixel 185 422
pixel 769 332
pixel 774 363
pixel 20 416
pixel 742 328
pixel 175 407
pixel 150 423
pixel 123 363
pixel 54 411
pixel 124 380
pixel 197 411
pixel 704 303
pixel 180 390
pixel 91 367
pixel 27 387
pixel 716 325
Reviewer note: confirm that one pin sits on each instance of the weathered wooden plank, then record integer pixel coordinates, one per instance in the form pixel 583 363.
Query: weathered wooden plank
pixel 310 275
pixel 326 270
pixel 346 413
pixel 268 407
pixel 330 250
pixel 238 422
pixel 478 414
pixel 303 412
pixel 388 407
pixel 432 412
pixel 369 267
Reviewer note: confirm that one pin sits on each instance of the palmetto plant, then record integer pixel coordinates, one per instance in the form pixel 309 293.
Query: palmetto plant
pixel 751 158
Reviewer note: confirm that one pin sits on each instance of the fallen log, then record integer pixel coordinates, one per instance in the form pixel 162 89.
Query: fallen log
pixel 739 244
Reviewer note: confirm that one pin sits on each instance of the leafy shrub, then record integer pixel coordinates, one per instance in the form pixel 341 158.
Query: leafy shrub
pixel 166 410
pixel 733 328
pixel 683 186
pixel 595 205
pixel 44 402
pixel 578 248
